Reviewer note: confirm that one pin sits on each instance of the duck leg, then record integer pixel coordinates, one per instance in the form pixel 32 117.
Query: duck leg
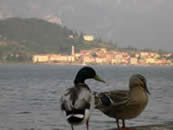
pixel 72 127
pixel 118 125
pixel 124 125
pixel 87 125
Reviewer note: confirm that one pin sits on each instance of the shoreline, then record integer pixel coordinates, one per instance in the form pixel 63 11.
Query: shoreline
pixel 152 127
pixel 79 64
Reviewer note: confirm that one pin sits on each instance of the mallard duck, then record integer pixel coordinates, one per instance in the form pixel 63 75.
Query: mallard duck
pixel 122 104
pixel 78 101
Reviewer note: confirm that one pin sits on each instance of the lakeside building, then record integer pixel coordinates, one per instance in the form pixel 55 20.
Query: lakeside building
pixel 103 56
pixel 52 58
pixel 40 58
pixel 88 38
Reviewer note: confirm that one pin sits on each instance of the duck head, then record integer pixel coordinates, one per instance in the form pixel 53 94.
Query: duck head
pixel 87 73
pixel 138 80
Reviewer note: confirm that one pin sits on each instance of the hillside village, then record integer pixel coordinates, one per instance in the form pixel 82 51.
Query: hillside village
pixel 103 56
pixel 25 41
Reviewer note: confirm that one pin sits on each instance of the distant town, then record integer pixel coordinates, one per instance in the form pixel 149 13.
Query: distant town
pixel 103 56
pixel 25 41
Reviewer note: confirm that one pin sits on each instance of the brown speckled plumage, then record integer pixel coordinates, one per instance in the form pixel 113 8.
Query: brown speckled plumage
pixel 124 104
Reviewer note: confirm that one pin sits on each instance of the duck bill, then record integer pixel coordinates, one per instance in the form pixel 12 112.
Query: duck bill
pixel 99 79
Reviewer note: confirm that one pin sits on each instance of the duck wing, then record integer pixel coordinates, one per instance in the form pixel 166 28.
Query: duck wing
pixel 78 97
pixel 111 98
pixel 75 101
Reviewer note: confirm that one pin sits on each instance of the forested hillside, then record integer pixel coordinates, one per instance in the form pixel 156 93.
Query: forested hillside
pixel 20 38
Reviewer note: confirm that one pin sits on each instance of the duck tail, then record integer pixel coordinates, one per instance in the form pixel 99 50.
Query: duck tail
pixel 77 116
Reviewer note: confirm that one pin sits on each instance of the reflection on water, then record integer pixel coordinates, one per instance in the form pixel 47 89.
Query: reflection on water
pixel 29 95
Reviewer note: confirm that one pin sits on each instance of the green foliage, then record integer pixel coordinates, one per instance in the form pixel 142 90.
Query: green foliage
pixel 21 38
pixel 25 37
pixel 37 35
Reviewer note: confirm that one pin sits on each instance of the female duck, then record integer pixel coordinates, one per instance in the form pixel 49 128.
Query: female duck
pixel 78 100
pixel 123 104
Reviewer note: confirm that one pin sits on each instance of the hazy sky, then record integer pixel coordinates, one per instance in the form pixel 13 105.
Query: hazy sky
pixel 137 23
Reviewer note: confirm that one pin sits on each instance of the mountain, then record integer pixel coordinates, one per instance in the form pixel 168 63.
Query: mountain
pixel 42 35
pixel 24 37
pixel 137 23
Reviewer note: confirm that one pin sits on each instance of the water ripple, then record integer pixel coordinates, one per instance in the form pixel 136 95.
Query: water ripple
pixel 29 95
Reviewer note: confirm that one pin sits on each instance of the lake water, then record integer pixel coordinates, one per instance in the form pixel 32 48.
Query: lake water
pixel 29 95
